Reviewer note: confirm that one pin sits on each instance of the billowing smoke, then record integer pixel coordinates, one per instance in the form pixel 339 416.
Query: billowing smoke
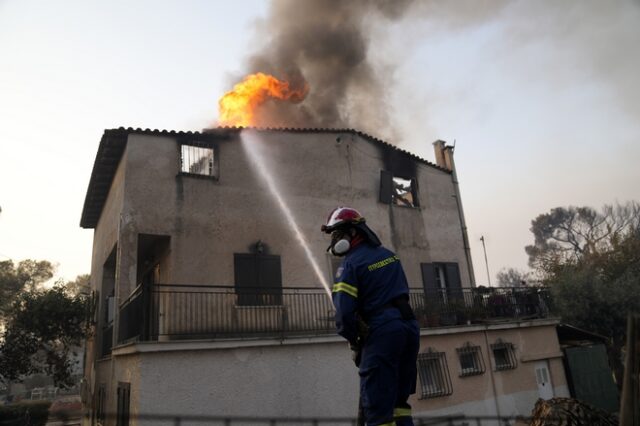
pixel 331 46
pixel 326 44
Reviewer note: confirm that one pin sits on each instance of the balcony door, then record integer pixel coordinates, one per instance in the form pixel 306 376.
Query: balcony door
pixel 442 279
pixel 258 279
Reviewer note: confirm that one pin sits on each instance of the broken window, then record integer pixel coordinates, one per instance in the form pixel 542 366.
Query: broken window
pixel 198 159
pixel 434 374
pixel 504 355
pixel 398 190
pixel 471 361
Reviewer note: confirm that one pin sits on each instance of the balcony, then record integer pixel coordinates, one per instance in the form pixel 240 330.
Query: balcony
pixel 173 312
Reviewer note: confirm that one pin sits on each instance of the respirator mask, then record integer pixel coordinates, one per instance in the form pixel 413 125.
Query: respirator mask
pixel 340 243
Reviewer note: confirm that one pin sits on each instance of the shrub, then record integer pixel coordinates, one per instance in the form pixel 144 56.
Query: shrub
pixel 31 413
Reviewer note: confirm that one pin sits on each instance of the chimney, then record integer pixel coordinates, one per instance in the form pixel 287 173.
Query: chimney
pixel 444 154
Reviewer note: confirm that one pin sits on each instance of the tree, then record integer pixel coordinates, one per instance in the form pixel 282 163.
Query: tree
pixel 27 274
pixel 567 235
pixel 79 286
pixel 511 277
pixel 591 262
pixel 43 328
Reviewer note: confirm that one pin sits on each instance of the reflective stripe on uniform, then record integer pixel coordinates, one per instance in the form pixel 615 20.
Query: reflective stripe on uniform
pixel 401 412
pixel 346 288
pixel 388 424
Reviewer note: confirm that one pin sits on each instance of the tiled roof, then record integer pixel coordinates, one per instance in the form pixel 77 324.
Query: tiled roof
pixel 114 141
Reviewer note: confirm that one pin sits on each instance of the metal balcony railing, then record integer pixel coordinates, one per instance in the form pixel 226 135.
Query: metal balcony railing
pixel 168 312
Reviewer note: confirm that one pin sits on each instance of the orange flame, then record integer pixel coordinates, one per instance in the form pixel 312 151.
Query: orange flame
pixel 238 107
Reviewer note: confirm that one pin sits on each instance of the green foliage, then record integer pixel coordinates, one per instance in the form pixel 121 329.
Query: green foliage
pixel 42 329
pixel 598 292
pixel 33 413
pixel 591 262
pixel 566 235
pixel 26 275
pixel 81 285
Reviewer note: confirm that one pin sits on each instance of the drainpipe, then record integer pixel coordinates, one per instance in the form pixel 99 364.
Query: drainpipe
pixel 444 158
pixel 493 380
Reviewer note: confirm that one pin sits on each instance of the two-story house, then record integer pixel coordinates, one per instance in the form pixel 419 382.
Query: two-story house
pixel 208 268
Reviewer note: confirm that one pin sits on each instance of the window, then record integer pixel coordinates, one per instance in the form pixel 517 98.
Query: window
pixel 124 394
pixel 504 355
pixel 100 401
pixel 197 158
pixel 108 303
pixel 442 281
pixel 398 190
pixel 258 279
pixel 471 361
pixel 434 374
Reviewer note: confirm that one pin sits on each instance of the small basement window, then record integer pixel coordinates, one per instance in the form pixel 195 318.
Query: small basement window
pixel 398 190
pixel 471 361
pixel 197 159
pixel 504 355
pixel 434 374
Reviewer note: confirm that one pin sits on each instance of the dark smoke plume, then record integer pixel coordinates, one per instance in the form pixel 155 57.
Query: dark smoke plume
pixel 325 43
pixel 328 43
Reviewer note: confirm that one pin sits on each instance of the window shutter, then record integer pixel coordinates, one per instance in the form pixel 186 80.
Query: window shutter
pixel 270 279
pixel 429 278
pixel 246 278
pixel 414 192
pixel 386 186
pixel 454 285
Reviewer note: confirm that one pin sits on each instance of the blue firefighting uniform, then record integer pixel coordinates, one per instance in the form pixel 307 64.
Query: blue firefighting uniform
pixel 366 283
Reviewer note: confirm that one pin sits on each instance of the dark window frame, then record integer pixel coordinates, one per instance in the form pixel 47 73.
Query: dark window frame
pixel 250 285
pixel 101 399
pixel 123 404
pixel 474 352
pixel 432 281
pixel 511 361
pixel 435 380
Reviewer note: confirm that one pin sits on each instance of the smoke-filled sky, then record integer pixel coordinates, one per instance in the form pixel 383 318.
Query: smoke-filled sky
pixel 541 97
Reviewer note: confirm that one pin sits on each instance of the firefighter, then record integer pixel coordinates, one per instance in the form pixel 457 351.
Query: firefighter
pixel 371 296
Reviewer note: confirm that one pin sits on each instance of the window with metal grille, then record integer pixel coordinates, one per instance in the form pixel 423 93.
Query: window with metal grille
pixel 471 361
pixel 198 159
pixel 434 374
pixel 504 355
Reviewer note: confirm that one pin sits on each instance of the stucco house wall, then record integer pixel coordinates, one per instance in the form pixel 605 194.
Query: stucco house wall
pixel 504 392
pixel 208 220
pixel 315 378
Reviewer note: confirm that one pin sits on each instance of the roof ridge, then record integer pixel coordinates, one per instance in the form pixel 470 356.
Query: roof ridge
pixel 360 133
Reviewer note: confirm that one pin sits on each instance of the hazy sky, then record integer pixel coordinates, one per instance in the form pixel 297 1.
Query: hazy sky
pixel 542 99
